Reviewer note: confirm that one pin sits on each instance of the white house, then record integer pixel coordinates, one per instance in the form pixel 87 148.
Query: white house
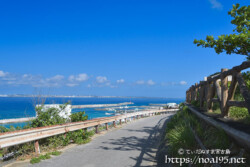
pixel 65 113
pixel 172 105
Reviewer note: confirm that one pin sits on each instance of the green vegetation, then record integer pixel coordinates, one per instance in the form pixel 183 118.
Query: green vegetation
pixel 56 153
pixel 35 160
pixel 236 43
pixel 239 114
pixel 195 103
pixel 246 76
pixel 51 117
pixel 46 118
pixel 179 134
pixel 1 152
pixel 44 157
pixel 79 116
pixel 236 113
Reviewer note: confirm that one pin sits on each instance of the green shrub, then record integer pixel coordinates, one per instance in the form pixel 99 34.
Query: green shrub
pixel 55 141
pixel 22 148
pixel 4 129
pixel 246 76
pixel 179 134
pixel 216 106
pixel 56 153
pixel 46 118
pixel 195 103
pixel 47 156
pixel 215 138
pixel 35 160
pixel 41 157
pixel 1 152
pixel 78 116
pixel 180 137
pixel 51 117
pixel 181 105
pixel 239 113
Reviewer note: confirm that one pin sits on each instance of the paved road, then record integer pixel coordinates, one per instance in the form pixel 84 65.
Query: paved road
pixel 135 144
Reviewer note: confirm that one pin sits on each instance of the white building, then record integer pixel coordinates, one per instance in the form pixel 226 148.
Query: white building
pixel 172 105
pixel 65 113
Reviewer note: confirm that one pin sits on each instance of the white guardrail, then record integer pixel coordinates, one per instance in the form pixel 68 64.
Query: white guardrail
pixel 8 139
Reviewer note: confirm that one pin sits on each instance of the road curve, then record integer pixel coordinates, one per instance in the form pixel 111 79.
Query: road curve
pixel 135 144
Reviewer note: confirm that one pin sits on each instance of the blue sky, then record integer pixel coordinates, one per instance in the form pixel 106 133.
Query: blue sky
pixel 111 48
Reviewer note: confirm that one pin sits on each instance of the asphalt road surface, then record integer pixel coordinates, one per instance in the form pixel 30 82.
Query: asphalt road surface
pixel 133 145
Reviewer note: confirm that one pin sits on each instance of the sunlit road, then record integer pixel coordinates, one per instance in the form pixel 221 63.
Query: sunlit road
pixel 135 144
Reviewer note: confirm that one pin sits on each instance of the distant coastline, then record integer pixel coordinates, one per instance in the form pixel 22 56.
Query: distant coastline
pixel 78 96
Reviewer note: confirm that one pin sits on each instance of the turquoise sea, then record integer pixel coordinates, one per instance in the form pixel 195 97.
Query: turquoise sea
pixel 19 107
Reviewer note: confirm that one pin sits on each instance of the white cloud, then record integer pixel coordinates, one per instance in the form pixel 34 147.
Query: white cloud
pixel 56 78
pixel 9 78
pixel 26 75
pixel 71 78
pixel 39 81
pixel 101 79
pixel 80 77
pixel 113 86
pixel 3 74
pixel 174 83
pixel 72 84
pixel 36 81
pixel 120 81
pixel 183 83
pixel 216 4
pixel 150 82
pixel 140 82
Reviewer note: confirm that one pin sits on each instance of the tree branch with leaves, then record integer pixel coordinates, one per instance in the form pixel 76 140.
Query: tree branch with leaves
pixel 237 42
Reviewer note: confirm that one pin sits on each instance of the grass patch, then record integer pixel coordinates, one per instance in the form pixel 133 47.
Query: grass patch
pixel 215 138
pixel 1 152
pixel 35 160
pixel 195 103
pixel 56 153
pixel 236 113
pixel 179 134
pixel 44 157
pixel 239 114
pixel 41 157
pixel 180 137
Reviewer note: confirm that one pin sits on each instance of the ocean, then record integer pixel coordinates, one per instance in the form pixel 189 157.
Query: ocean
pixel 19 107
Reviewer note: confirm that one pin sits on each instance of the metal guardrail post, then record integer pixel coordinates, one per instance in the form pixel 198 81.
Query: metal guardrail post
pixel 97 129
pixel 107 126
pixel 37 148
pixel 85 130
